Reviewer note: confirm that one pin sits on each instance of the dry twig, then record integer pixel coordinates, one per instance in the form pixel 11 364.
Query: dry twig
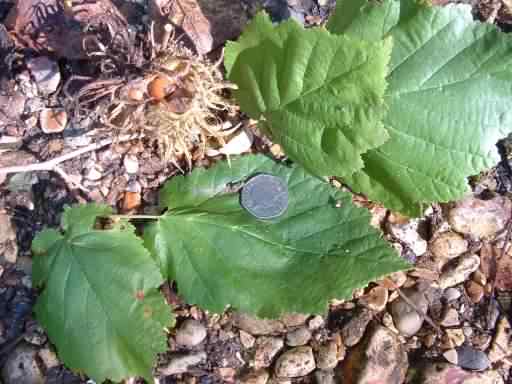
pixel 53 165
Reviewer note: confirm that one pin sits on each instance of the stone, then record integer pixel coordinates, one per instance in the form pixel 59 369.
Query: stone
pixel 48 357
pixel 354 330
pixel 256 326
pixel 316 322
pixel 444 373
pixel 379 358
pixel 479 277
pixel 407 321
pixel 450 318
pixel 458 273
pixel 190 333
pixel 475 291
pixel 8 245
pixel 451 356
pixel 407 232
pixel 296 362
pixel 294 319
pixel 94 174
pixel 131 164
pixel 21 366
pixel 468 357
pixel 480 218
pixel 446 246
pixel 376 299
pixel 180 363
pixel 267 347
pixel 502 342
pixel 451 294
pixel 226 374
pixel 247 339
pixel 394 280
pixel 255 377
pixel 327 355
pixel 324 377
pixel 46 73
pixel 452 337
pixel 298 337
pixel 53 120
pixel 34 334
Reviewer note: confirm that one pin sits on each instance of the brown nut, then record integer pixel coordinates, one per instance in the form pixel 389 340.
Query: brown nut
pixel 160 87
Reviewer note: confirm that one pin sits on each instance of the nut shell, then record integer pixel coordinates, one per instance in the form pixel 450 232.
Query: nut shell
pixel 159 87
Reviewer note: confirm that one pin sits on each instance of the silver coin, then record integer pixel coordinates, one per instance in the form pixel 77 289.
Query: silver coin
pixel 265 196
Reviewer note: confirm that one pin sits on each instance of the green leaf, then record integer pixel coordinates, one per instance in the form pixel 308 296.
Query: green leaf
pixel 100 304
pixel 449 98
pixel 364 19
pixel 318 95
pixel 259 29
pixel 321 248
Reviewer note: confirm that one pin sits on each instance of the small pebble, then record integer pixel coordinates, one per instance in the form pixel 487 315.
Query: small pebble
pixel 407 232
pixel 255 377
pixel 376 299
pixel 393 281
pixel 479 277
pixel 324 376
pixel 406 319
pixel 480 218
pixel 294 319
pixel 354 330
pixel 267 347
pixel 94 174
pixel 53 120
pixel 452 338
pixel 190 333
pixel 21 366
pixel 315 322
pixel 502 342
pixel 298 337
pixel 468 358
pixel 380 357
pixel 327 356
pixel 257 326
pixel 450 318
pixel 49 358
pixel 451 294
pixel 475 291
pixel 131 164
pixel 247 339
pixel 464 267
pixel 181 363
pixel 296 362
pixel 46 73
pixel 446 246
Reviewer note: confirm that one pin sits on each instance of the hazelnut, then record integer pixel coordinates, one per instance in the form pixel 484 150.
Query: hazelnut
pixel 160 87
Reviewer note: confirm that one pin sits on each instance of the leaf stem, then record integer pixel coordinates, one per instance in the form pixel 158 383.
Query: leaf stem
pixel 136 217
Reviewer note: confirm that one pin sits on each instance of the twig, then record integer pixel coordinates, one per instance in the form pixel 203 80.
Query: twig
pixel 53 164
pixel 168 32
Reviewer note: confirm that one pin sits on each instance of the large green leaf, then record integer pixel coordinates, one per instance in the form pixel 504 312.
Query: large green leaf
pixel 449 98
pixel 321 248
pixel 318 95
pixel 100 303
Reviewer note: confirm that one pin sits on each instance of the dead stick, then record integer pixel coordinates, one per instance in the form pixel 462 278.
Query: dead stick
pixel 51 165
